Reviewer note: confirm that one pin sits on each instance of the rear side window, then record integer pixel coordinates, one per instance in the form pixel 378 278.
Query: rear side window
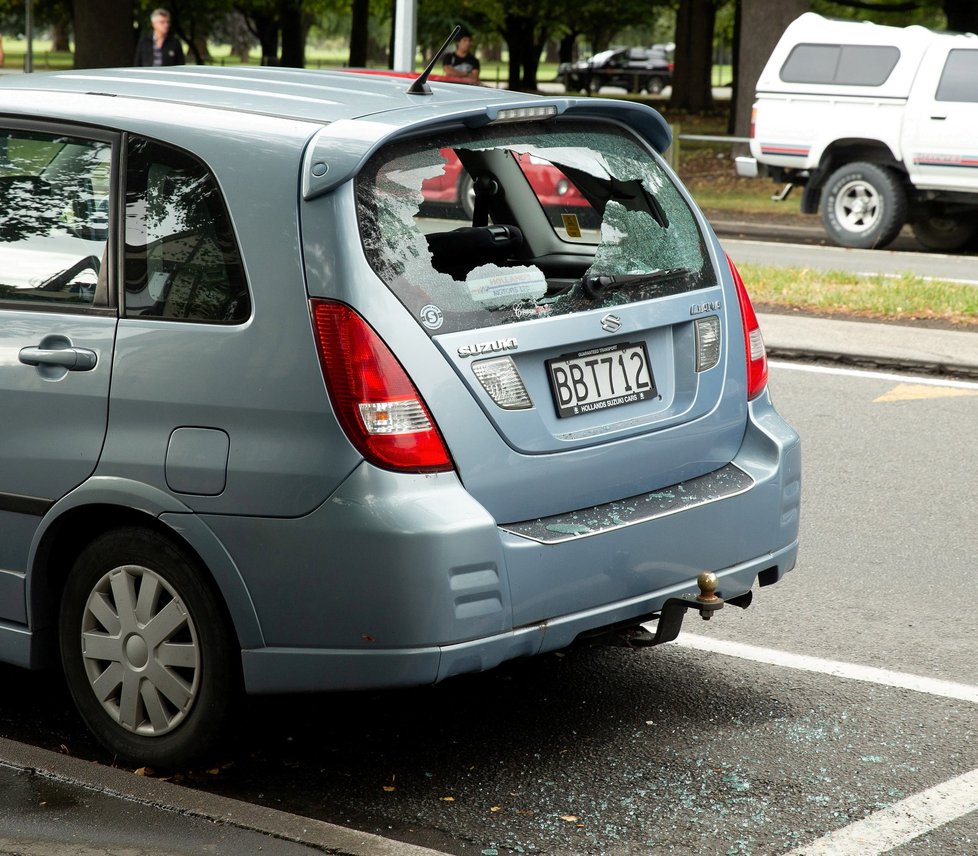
pixel 515 222
pixel 54 217
pixel 182 261
pixel 959 80
pixel 841 65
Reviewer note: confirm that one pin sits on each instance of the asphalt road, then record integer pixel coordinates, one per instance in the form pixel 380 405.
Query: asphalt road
pixel 786 249
pixel 684 749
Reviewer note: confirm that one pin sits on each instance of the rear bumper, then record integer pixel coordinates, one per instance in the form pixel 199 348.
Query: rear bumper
pixel 408 580
pixel 274 670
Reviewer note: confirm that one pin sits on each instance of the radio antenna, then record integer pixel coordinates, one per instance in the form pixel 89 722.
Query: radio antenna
pixel 420 86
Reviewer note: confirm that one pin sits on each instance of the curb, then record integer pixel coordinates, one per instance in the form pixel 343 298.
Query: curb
pixel 181 801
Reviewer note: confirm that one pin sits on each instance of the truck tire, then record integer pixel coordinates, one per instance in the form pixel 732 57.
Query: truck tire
pixel 936 229
pixel 863 206
pixel 654 85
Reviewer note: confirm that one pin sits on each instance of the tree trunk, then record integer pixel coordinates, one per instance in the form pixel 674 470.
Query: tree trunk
pixel 104 34
pixel 59 35
pixel 265 27
pixel 567 52
pixel 293 35
pixel 761 25
pixel 524 51
pixel 962 15
pixel 358 33
pixel 692 85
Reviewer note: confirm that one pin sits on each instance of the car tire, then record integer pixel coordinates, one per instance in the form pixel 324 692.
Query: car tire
pixel 147 650
pixel 935 229
pixel 466 195
pixel 863 206
pixel 654 85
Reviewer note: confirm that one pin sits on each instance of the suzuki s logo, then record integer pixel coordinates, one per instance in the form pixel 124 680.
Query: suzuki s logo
pixel 611 323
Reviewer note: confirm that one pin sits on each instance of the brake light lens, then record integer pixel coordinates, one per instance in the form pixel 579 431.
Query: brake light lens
pixel 753 123
pixel 375 401
pixel 753 340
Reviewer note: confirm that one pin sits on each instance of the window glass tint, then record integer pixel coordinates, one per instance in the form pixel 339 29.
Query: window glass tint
pixel 614 227
pixel 842 65
pixel 54 215
pixel 182 261
pixel 959 80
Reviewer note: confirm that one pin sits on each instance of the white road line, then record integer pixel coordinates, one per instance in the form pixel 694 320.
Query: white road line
pixel 898 378
pixel 901 822
pixel 852 671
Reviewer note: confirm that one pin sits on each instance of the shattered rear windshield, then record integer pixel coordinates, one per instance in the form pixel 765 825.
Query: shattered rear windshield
pixel 479 228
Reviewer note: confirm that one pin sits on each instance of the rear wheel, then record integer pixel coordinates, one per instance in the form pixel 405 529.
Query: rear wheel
pixel 146 649
pixel 863 206
pixel 654 85
pixel 936 229
pixel 466 195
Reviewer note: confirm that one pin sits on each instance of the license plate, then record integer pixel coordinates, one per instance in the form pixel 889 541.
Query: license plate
pixel 600 379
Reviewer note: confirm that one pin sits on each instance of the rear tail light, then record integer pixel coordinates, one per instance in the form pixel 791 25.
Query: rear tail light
pixel 753 341
pixel 375 401
pixel 753 122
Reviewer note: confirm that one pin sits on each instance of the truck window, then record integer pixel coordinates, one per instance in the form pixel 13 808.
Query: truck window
pixel 842 65
pixel 959 80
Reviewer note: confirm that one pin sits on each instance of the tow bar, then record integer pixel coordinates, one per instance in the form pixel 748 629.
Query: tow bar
pixel 673 611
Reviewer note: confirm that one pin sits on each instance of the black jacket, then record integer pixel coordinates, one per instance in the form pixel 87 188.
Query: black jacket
pixel 172 51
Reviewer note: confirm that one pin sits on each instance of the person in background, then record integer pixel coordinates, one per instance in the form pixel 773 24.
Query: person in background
pixel 159 47
pixel 461 66
pixel 1 51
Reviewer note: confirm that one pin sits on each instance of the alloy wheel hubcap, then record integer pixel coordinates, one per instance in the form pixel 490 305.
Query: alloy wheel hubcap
pixel 858 206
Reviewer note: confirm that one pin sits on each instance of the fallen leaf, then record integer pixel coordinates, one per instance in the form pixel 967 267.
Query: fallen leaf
pixel 496 808
pixel 570 818
pixel 389 788
pixel 214 771
pixel 448 799
pixel 143 771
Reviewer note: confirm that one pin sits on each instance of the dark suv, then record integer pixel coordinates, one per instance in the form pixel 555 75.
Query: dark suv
pixel 634 69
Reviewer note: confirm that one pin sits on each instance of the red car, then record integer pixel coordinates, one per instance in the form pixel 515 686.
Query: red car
pixel 454 185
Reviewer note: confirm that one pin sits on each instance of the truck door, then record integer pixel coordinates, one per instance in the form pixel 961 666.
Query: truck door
pixel 942 115
pixel 57 328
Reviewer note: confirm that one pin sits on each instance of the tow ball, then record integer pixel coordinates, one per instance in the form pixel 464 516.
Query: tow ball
pixel 674 610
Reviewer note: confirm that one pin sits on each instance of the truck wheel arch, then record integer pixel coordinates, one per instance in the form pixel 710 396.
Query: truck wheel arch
pixel 844 151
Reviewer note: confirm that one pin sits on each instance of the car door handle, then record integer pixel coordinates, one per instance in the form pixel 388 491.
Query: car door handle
pixel 938 118
pixel 73 359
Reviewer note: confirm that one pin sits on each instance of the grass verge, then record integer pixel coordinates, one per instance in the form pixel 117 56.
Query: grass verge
pixel 902 299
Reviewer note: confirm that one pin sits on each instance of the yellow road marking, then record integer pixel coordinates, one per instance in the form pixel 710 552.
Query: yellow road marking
pixel 919 392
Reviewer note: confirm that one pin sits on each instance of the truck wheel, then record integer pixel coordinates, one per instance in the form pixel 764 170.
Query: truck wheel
pixel 937 230
pixel 863 206
pixel 654 85
pixel 146 649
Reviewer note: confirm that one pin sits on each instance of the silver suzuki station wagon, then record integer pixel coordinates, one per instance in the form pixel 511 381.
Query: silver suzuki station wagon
pixel 313 383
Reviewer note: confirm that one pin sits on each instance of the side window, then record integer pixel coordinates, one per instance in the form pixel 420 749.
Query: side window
pixel 54 216
pixel 182 261
pixel 841 65
pixel 959 80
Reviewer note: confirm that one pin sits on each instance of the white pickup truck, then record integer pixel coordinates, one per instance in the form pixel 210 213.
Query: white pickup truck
pixel 878 124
